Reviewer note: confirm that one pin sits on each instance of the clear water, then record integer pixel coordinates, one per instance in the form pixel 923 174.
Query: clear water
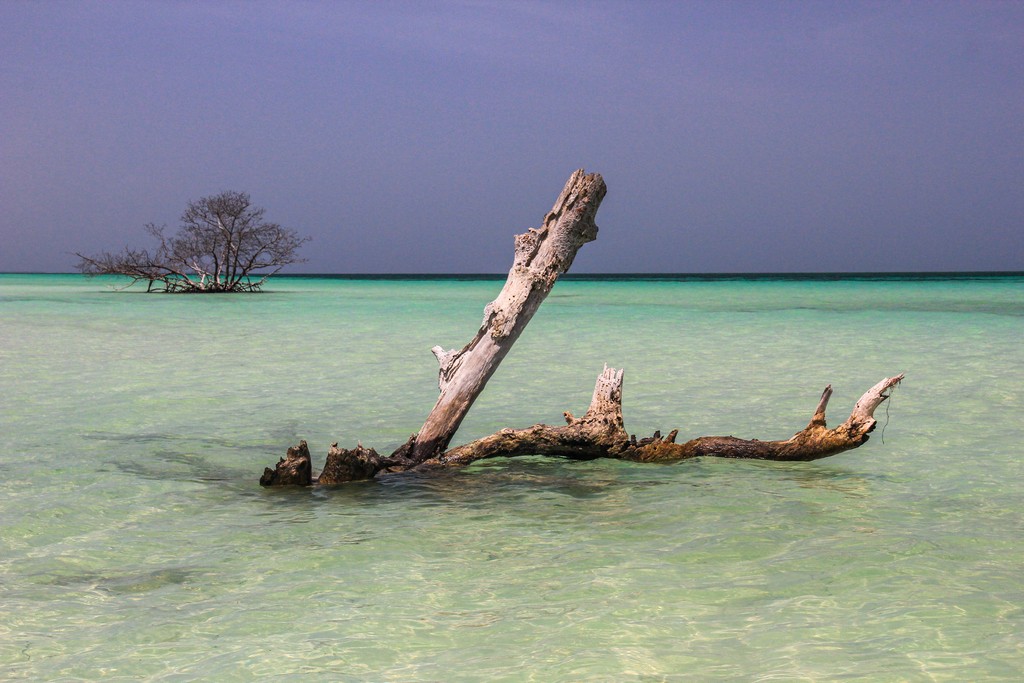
pixel 135 543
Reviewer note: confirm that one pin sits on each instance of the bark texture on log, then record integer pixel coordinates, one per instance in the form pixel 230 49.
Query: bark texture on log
pixel 541 255
pixel 600 433
pixel 295 468
pixel 813 442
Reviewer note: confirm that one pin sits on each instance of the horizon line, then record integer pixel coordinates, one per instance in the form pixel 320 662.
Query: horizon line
pixel 622 274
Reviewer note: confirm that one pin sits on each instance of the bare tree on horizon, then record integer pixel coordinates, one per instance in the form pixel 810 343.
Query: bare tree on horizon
pixel 223 245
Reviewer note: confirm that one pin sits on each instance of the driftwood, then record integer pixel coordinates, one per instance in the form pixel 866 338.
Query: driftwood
pixel 541 256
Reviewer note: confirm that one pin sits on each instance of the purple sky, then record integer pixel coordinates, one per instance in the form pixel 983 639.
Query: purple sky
pixel 420 136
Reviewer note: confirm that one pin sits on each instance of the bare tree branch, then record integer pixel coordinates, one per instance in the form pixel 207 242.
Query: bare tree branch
pixel 223 245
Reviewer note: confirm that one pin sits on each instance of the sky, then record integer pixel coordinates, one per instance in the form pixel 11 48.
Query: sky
pixel 419 137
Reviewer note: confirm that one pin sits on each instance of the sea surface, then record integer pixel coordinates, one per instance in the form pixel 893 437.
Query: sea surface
pixel 137 545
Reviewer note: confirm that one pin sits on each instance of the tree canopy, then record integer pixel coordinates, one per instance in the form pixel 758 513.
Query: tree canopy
pixel 223 245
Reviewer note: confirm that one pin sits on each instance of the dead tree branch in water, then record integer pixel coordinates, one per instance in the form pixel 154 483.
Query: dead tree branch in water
pixel 541 256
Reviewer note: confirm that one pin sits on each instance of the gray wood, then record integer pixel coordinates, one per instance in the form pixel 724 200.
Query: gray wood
pixel 541 256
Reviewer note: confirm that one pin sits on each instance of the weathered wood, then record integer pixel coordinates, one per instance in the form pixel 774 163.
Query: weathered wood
pixel 541 255
pixel 344 464
pixel 600 433
pixel 813 442
pixel 296 468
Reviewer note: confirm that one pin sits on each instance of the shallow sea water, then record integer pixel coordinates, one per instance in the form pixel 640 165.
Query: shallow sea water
pixel 136 544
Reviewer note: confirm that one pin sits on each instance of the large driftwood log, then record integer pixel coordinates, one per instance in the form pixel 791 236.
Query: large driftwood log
pixel 541 255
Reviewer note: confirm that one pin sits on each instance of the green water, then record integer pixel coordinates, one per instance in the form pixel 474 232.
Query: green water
pixel 135 543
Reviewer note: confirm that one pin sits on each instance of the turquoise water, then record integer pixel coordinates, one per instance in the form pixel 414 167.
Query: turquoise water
pixel 136 544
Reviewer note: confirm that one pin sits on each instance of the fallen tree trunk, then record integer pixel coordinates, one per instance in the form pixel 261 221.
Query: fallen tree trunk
pixel 541 256
pixel 600 433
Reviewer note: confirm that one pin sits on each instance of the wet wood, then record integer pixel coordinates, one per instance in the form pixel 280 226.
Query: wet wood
pixel 295 469
pixel 600 433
